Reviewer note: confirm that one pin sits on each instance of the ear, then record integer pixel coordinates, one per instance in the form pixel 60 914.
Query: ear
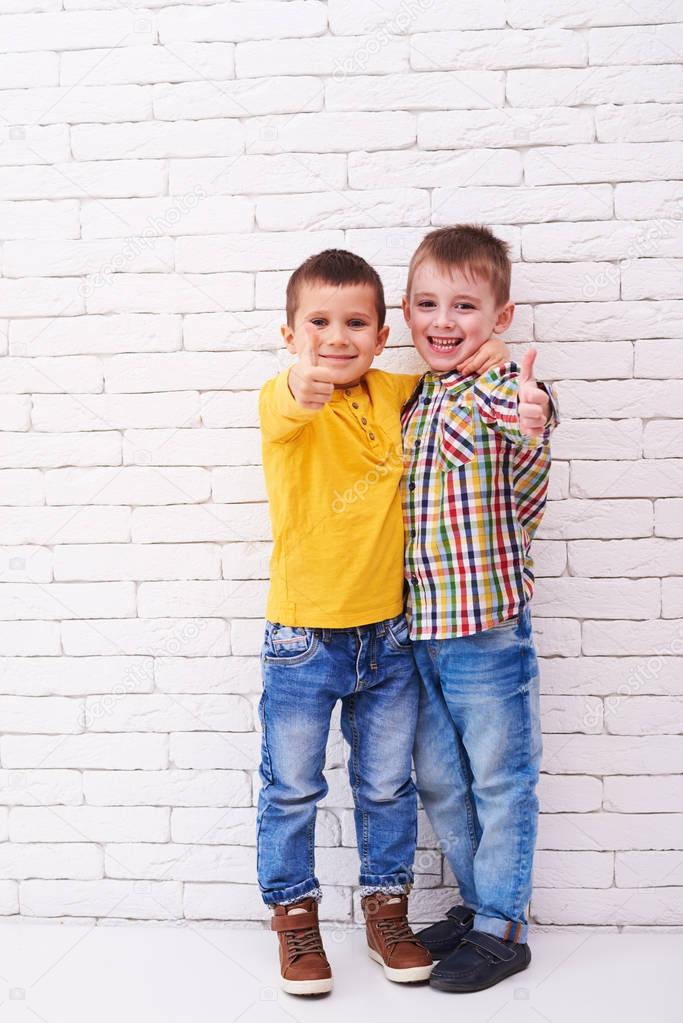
pixel 504 318
pixel 405 305
pixel 382 338
pixel 288 337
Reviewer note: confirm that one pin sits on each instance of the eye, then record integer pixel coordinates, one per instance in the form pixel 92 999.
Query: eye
pixel 357 324
pixel 426 304
pixel 463 305
pixel 319 321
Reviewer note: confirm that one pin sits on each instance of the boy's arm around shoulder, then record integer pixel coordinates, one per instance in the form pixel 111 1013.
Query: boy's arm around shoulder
pixel 511 401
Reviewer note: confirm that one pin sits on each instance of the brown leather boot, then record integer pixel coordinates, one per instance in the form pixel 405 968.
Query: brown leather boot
pixel 304 968
pixel 391 941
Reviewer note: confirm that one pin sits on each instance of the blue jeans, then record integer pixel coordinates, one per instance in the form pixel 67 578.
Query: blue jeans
pixel 371 669
pixel 477 759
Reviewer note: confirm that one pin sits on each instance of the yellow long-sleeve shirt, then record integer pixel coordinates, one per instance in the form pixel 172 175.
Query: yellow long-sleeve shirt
pixel 333 479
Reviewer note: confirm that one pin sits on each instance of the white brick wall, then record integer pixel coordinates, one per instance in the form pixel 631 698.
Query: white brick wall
pixel 162 171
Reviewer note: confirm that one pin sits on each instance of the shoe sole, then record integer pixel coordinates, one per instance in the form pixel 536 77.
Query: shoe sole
pixel 307 987
pixel 454 987
pixel 406 976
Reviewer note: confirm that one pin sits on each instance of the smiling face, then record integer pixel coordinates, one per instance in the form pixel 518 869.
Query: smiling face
pixel 451 315
pixel 345 317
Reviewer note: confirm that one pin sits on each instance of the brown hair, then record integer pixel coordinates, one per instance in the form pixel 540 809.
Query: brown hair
pixel 336 267
pixel 471 248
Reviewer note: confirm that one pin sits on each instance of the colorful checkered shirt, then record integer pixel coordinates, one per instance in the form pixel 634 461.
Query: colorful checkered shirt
pixel 473 494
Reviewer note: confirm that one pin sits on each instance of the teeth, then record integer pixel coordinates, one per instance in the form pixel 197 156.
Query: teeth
pixel 446 343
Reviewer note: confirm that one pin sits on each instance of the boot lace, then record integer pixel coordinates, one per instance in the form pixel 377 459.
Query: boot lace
pixel 300 943
pixel 395 931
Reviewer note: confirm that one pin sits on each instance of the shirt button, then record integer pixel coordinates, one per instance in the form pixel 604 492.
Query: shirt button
pixel 364 421
pixel 413 532
pixel 371 436
pixel 411 486
pixel 417 443
pixel 354 404
pixel 347 392
pixel 413 578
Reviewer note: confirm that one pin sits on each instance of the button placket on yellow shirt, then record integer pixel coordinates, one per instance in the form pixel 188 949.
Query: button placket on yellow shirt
pixel 356 401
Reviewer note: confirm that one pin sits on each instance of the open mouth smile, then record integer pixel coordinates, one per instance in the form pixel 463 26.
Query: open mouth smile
pixel 444 344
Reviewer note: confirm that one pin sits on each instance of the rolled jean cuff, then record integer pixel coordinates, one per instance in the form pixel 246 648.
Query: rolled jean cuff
pixel 379 882
pixel 390 889
pixel 508 930
pixel 310 888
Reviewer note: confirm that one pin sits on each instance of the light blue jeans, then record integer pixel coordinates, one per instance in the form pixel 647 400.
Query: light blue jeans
pixel 477 759
pixel 372 671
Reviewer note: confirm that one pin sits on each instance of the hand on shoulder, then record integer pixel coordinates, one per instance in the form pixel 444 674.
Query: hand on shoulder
pixel 492 353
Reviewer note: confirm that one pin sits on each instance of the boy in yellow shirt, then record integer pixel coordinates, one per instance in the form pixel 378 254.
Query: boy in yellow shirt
pixel 335 626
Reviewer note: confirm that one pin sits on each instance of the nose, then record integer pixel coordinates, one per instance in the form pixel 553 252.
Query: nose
pixel 443 318
pixel 337 338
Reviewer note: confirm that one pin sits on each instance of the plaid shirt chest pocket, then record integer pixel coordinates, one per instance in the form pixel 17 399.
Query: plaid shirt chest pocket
pixel 455 437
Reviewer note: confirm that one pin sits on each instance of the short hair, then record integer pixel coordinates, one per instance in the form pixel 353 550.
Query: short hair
pixel 471 248
pixel 337 267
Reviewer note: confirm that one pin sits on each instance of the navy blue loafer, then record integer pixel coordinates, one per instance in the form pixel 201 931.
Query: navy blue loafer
pixel 445 935
pixel 480 961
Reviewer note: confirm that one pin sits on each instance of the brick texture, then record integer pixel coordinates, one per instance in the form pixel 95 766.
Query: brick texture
pixel 162 171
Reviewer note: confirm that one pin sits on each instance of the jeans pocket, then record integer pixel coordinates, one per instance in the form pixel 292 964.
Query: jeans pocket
pixel 289 644
pixel 398 633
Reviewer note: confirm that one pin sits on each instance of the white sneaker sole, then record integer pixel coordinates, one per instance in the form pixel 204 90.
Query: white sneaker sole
pixel 307 987
pixel 406 976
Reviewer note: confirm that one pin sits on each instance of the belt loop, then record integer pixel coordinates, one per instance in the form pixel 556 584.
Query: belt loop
pixel 381 628
pixel 325 633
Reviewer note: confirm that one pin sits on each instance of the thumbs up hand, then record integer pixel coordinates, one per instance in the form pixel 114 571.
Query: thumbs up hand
pixel 308 382
pixel 533 402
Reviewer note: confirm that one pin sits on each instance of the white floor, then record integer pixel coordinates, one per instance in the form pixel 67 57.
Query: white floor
pixel 137 973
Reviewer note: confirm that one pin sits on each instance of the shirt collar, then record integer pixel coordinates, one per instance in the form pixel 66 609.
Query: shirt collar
pixel 344 393
pixel 452 381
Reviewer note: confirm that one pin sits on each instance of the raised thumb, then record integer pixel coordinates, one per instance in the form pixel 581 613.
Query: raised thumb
pixel 527 370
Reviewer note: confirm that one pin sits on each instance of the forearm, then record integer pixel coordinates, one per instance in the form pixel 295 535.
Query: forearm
pixel 497 398
pixel 282 417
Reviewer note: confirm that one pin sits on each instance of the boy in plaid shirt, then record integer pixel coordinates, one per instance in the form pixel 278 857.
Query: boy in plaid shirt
pixel 474 487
